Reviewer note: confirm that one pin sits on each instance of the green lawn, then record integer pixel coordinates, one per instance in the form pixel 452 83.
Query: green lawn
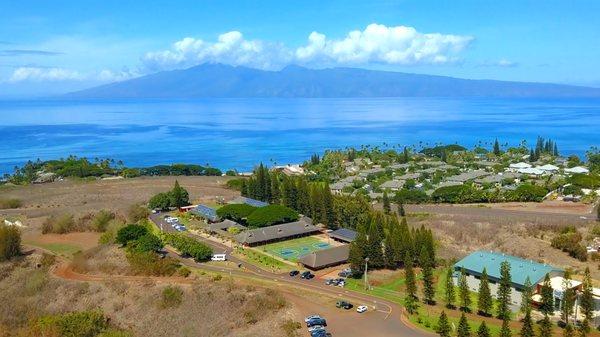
pixel 64 249
pixel 291 250
pixel 261 260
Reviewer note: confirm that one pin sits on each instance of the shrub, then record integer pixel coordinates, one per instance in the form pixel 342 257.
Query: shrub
pixel 171 297
pixel 101 220
pixel 10 203
pixel 76 324
pixel 130 233
pixel 569 242
pixel 527 192
pixel 184 272
pixel 271 215
pixel 235 212
pixel 236 184
pixel 10 242
pixel 136 213
pixel 591 181
pixel 59 224
pixel 291 327
pixel 149 263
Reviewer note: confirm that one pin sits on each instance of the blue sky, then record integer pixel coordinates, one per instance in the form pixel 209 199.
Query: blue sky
pixel 49 47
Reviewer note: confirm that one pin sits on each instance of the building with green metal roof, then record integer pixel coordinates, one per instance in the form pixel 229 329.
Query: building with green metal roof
pixel 520 270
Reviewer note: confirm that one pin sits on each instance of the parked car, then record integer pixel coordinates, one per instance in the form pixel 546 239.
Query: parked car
pixel 328 281
pixel 344 304
pixel 320 333
pixel 294 273
pixel 307 275
pixel 361 309
pixel 219 257
pixel 315 328
pixel 347 272
pixel 308 318
pixel 316 321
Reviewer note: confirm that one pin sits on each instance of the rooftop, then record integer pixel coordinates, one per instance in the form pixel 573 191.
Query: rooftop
pixel 344 234
pixel 249 201
pixel 520 268
pixel 206 212
pixel 466 176
pixel 326 257
pixel 276 232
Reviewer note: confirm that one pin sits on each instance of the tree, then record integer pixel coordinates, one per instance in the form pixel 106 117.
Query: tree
pixel 483 330
pixel 484 301
pixel 463 292
pixel 450 293
pixel 505 329
pixel 526 296
pixel 443 326
pixel 497 148
pixel 547 305
pixel 568 330
pixel 428 286
pixel 545 327
pixel 10 242
pixel 402 212
pixel 179 196
pixel 410 301
pixel 569 296
pixel 147 243
pixel 130 233
pixel 161 201
pixel 586 301
pixel 527 326
pixel 504 291
pixel 387 208
pixel 463 330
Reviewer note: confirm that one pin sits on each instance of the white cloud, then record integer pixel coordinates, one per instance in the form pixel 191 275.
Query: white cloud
pixel 499 63
pixel 38 74
pixel 230 48
pixel 381 44
pixel 376 44
pixel 55 74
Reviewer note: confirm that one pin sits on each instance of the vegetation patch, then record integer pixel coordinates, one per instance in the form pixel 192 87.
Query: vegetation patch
pixel 8 203
pixel 271 215
pixel 171 297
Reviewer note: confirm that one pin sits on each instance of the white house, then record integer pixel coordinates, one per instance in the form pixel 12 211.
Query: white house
pixel 519 166
pixel 577 169
pixel 548 168
pixel 532 171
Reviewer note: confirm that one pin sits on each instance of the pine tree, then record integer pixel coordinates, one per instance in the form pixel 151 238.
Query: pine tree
pixel 374 249
pixel 443 326
pixel 586 301
pixel 387 208
pixel 463 330
pixel 526 296
pixel 483 330
pixel 496 148
pixel 428 286
pixel 463 292
pixel 484 301
pixel 393 245
pixel 357 250
pixel 545 327
pixel 450 297
pixel 527 326
pixel 402 212
pixel 410 301
pixel 568 330
pixel 547 305
pixel 505 329
pixel 405 155
pixel 568 300
pixel 179 196
pixel 504 291
pixel 275 189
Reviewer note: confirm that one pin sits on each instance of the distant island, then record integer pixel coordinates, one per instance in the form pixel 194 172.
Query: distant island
pixel 224 81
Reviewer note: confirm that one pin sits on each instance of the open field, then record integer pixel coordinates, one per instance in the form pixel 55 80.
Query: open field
pixel 291 250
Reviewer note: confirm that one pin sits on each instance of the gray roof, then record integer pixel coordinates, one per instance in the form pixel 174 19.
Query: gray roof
pixel 466 176
pixel 224 225
pixel 326 257
pixel 392 184
pixel 399 166
pixel 249 201
pixel 497 178
pixel 276 232
pixel 448 183
pixel 410 176
pixel 433 163
pixel 344 234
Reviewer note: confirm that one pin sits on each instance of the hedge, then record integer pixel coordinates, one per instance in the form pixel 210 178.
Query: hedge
pixel 188 246
pixel 271 215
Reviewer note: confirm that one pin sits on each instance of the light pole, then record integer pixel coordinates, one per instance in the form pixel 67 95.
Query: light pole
pixel 366 271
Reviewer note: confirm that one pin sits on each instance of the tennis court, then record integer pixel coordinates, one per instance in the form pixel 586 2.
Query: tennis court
pixel 291 250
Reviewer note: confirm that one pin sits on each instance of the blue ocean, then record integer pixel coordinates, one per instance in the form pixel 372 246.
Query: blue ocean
pixel 239 133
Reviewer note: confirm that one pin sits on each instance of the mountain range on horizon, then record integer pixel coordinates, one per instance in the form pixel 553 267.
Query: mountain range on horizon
pixel 211 80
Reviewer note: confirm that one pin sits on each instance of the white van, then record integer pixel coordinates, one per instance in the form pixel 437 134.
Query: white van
pixel 219 257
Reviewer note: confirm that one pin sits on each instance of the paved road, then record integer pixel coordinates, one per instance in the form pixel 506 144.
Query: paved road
pixel 388 317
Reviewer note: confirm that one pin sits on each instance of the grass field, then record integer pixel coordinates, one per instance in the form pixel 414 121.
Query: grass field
pixel 64 249
pixel 291 250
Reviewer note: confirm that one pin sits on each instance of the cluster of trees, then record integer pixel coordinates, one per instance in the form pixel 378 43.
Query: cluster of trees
pixel 236 212
pixel 176 197
pixel 569 241
pixel 10 242
pixel 442 150
pixel 543 146
pixel 312 199
pixel 271 215
pixel 468 193
pixel 188 246
pixel 390 243
pixel 74 166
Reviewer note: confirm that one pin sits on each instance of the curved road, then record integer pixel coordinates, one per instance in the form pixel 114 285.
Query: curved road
pixel 392 320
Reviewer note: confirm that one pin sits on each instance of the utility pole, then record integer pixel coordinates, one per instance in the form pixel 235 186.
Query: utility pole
pixel 366 271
